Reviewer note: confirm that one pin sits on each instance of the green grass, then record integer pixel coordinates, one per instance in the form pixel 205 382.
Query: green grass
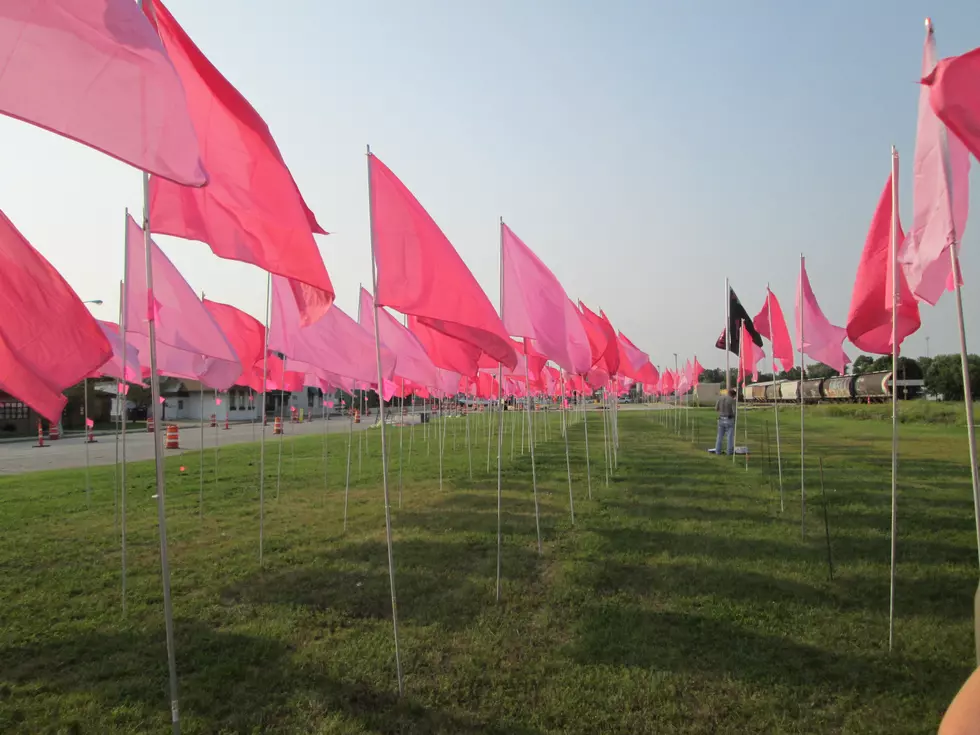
pixel 682 600
pixel 949 413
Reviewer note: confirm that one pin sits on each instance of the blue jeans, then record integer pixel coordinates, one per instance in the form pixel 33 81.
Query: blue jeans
pixel 725 426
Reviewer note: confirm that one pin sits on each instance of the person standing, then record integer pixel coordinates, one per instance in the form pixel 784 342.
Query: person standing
pixel 725 407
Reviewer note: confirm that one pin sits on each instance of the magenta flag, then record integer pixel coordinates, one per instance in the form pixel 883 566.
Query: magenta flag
pixel 869 321
pixel 183 325
pixel 84 69
pixel 536 306
pixel 940 196
pixel 698 369
pixel 821 340
pixel 48 339
pixel 335 344
pixel 421 274
pixel 446 352
pixel 773 327
pixel 246 335
pixel 114 367
pixel 251 210
pixel 749 356
pixel 411 360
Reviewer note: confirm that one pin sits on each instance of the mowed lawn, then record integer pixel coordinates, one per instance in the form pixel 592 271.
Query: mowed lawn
pixel 682 600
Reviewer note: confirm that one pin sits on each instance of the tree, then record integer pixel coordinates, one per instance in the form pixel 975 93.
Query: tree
pixel 862 364
pixel 924 363
pixel 713 375
pixel 792 374
pixel 945 377
pixel 819 370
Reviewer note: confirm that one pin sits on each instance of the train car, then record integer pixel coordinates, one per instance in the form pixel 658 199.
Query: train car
pixel 755 393
pixel 772 392
pixel 873 386
pixel 812 390
pixel 840 388
pixel 789 390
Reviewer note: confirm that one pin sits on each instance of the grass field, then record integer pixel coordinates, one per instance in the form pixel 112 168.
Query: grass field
pixel 682 600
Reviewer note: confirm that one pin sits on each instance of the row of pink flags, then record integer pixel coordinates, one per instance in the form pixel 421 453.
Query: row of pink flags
pixel 948 130
pixel 133 85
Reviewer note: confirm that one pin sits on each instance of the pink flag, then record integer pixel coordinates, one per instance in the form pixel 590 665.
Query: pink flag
pixel 189 342
pixel 411 361
pixel 536 306
pixel 89 423
pixel 336 343
pixel 421 274
pixel 48 339
pixel 941 196
pixel 869 322
pixel 773 327
pixel 821 340
pixel 83 69
pixel 251 210
pixel 246 335
pixel 114 367
pixel 749 356
pixel 697 365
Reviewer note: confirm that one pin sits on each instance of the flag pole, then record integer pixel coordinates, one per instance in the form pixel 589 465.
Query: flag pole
pixel 115 470
pixel 124 385
pixel 677 394
pixel 200 500
pixel 588 461
pixel 728 337
pixel 160 467
pixel 500 424
pixel 88 482
pixel 384 457
pixel 895 301
pixel 775 401
pixel 401 443
pixel 350 444
pixel 265 386
pixel 530 445
pixel 282 426
pixel 568 460
pixel 967 388
pixel 802 444
pixel 740 377
pixel 605 431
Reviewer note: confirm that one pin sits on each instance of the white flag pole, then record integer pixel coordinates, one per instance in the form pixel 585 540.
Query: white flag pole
pixel 895 301
pixel 530 445
pixel 123 388
pixel 384 455
pixel 568 461
pixel 775 401
pixel 265 381
pixel 802 427
pixel 500 425
pixel 728 337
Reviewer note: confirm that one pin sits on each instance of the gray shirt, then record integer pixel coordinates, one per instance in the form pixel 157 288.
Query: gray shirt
pixel 725 407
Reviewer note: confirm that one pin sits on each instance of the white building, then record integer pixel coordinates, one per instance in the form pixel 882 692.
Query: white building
pixel 189 400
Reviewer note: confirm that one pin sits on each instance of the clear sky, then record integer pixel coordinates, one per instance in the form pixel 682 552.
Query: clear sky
pixel 644 150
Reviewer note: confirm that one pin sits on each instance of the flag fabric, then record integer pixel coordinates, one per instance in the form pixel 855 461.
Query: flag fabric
pixel 446 352
pixel 411 360
pixel 251 210
pixel 420 273
pixel 821 340
pixel 869 321
pixel 749 357
pixel 334 345
pixel 82 69
pixel 697 369
pixel 113 368
pixel 773 327
pixel 941 196
pixel 737 315
pixel 48 339
pixel 609 348
pixel 612 351
pixel 246 335
pixel 190 344
pixel 535 305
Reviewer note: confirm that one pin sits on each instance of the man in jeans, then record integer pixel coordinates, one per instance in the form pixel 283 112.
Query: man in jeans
pixel 726 421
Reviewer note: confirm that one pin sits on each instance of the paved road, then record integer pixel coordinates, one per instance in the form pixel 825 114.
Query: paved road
pixel 18 457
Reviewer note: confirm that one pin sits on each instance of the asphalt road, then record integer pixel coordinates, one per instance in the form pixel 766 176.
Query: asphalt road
pixel 23 456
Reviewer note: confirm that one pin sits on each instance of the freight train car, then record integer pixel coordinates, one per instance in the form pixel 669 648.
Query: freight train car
pixel 868 387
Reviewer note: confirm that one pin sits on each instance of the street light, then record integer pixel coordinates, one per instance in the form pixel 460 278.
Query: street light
pixel 97 302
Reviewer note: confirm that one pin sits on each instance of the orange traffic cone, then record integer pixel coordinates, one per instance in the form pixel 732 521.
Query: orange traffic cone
pixel 277 426
pixel 226 424
pixel 214 421
pixel 54 432
pixel 150 427
pixel 173 437
pixel 40 437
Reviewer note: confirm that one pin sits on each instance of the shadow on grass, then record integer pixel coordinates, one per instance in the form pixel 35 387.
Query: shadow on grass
pixel 228 683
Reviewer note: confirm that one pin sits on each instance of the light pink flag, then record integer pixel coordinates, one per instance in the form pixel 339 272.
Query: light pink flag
pixel 940 197
pixel 48 339
pixel 114 368
pixel 95 72
pixel 217 401
pixel 334 345
pixel 821 341
pixel 411 360
pixel 536 306
pixel 89 423
pixel 190 344
pixel 773 327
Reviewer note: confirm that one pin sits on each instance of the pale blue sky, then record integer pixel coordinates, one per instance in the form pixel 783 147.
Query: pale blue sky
pixel 644 150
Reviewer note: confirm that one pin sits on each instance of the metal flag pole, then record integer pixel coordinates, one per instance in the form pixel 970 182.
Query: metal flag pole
pixel 265 387
pixel 677 395
pixel 469 443
pixel 123 388
pixel 893 238
pixel 802 442
pixel 200 501
pixel 441 435
pixel 500 424
pixel 568 460
pixel 411 434
pixel 119 414
pixel 160 467
pixel 326 457
pixel 401 443
pixel 605 432
pixel 741 341
pixel 588 460
pixel 360 439
pixel 967 388
pixel 282 424
pixel 728 336
pixel 527 396
pixel 88 482
pixel 216 435
pixel 513 427
pixel 490 413
pixel 350 444
pixel 384 460
pixel 530 445
pixel 775 401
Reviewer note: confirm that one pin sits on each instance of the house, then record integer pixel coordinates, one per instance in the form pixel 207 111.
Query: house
pixel 190 400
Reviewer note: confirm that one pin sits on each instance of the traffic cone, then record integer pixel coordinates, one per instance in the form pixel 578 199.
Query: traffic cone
pixel 150 427
pixel 214 421
pixel 277 426
pixel 90 436
pixel 54 432
pixel 226 424
pixel 40 437
pixel 173 437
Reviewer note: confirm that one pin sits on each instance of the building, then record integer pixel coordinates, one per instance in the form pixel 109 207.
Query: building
pixel 190 400
pixel 16 417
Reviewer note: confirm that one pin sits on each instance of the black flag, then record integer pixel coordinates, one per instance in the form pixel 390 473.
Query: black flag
pixel 737 315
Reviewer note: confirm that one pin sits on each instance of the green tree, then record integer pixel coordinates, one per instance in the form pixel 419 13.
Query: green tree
pixel 945 377
pixel 862 364
pixel 819 370
pixel 713 375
